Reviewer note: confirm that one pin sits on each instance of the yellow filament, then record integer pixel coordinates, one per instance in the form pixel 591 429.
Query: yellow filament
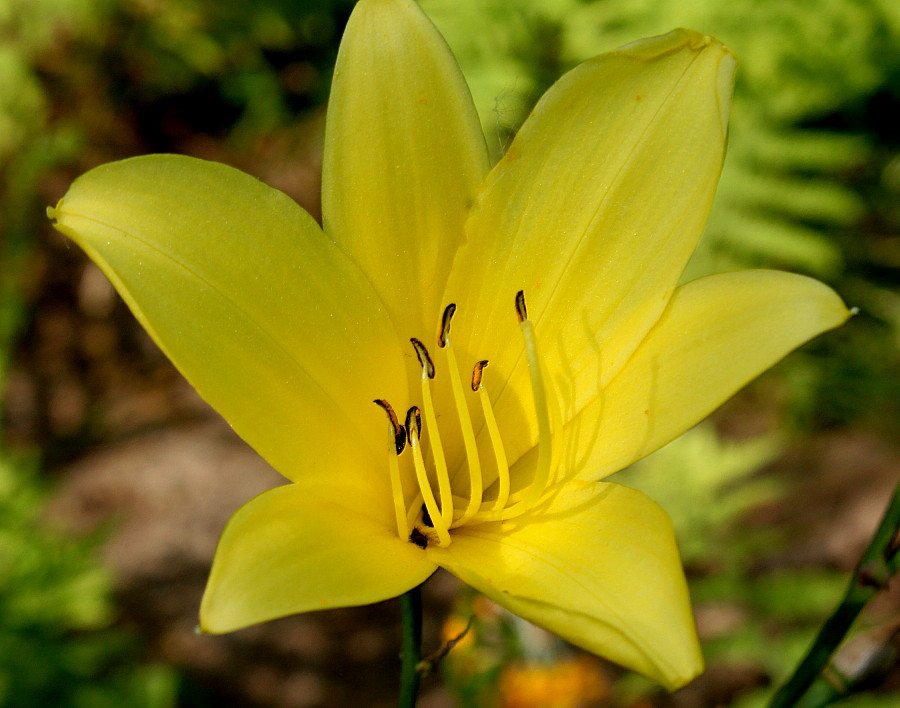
pixel 437 450
pixel 532 494
pixel 396 487
pixel 413 511
pixel 499 452
pixel 468 434
pixel 542 409
pixel 427 493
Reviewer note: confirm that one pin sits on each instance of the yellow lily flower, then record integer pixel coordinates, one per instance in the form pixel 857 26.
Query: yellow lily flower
pixel 558 266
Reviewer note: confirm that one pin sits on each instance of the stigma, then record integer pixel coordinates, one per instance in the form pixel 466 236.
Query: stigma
pixel 441 502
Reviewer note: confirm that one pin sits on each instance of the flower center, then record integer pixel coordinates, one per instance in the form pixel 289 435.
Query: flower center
pixel 435 509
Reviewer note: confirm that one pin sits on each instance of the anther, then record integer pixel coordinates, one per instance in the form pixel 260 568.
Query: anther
pixel 414 417
pixel 399 430
pixel 424 358
pixel 445 324
pixel 477 373
pixel 520 306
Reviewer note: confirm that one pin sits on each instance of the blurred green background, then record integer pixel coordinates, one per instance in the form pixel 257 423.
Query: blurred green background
pixel 773 498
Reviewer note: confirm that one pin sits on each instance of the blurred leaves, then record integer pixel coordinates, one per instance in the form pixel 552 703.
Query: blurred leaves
pixel 57 644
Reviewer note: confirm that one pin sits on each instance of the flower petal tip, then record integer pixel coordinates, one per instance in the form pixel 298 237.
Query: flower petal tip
pixel 673 679
pixel 650 48
pixel 653 48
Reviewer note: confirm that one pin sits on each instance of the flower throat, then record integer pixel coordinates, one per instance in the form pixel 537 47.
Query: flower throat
pixel 431 517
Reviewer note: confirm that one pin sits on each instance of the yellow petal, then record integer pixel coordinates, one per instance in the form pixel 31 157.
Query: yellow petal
pixel 404 155
pixel 593 212
pixel 599 567
pixel 290 550
pixel 265 316
pixel 718 333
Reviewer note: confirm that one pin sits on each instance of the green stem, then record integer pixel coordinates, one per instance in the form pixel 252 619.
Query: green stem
pixel 411 649
pixel 875 569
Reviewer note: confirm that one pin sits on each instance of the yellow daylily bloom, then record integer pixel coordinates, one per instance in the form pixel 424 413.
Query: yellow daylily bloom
pixel 519 327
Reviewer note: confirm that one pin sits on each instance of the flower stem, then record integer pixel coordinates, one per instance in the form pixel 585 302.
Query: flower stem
pixel 875 569
pixel 411 649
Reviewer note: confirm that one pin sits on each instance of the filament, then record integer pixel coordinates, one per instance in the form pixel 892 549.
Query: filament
pixel 397 434
pixel 499 452
pixel 468 435
pixel 437 451
pixel 532 493
pixel 397 488
pixel 412 433
pixel 435 505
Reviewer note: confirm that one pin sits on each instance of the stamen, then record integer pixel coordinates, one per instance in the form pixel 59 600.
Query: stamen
pixel 445 324
pixel 542 409
pixel 529 496
pixel 477 373
pixel 437 451
pixel 414 509
pixel 395 447
pixel 490 422
pixel 468 432
pixel 424 357
pixel 413 423
pixel 413 430
pixel 399 430
pixel 521 311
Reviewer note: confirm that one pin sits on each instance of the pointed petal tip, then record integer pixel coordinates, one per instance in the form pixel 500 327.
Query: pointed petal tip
pixel 377 9
pixel 654 47
pixel 673 678
pixel 207 624
pixel 651 48
pixel 829 307
pixel 619 593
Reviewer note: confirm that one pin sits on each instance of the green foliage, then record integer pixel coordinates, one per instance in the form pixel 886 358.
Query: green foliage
pixel 57 645
pixel 255 63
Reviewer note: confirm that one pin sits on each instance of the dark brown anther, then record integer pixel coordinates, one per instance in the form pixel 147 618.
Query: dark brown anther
pixel 520 306
pixel 414 417
pixel 399 430
pixel 445 324
pixel 424 357
pixel 477 373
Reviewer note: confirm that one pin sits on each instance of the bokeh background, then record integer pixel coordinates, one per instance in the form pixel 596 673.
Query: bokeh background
pixel 115 479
